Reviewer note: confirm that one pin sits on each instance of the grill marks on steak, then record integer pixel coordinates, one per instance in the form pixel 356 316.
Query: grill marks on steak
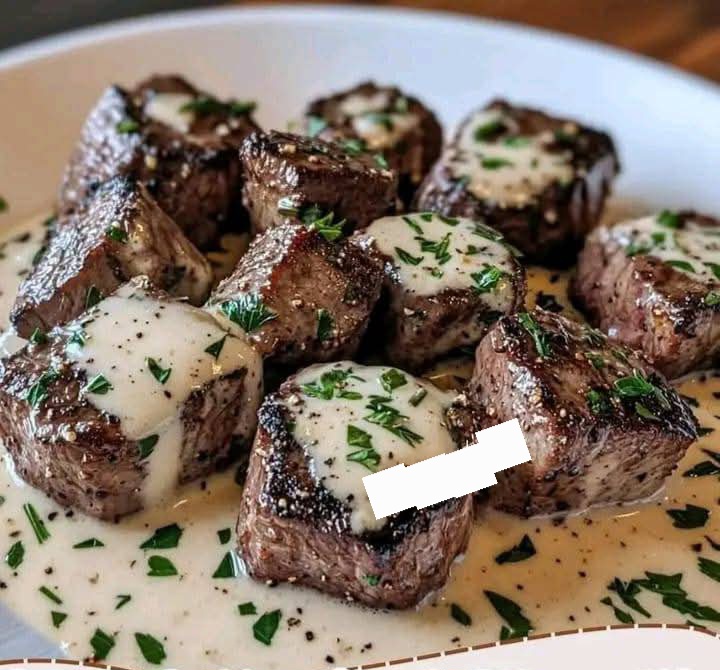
pixel 635 283
pixel 289 178
pixel 194 175
pixel 380 120
pixel 119 233
pixel 300 298
pixel 601 425
pixel 540 180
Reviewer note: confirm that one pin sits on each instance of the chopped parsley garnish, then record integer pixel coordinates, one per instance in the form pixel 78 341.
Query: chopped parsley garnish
pixel 78 337
pixel 315 125
pixel 353 146
pixel 151 649
pixel 91 543
pixel 627 592
pixel 438 248
pixel 413 224
pixel 265 627
pixel 417 397
pixel 486 130
pixel 206 105
pixel 228 567
pixel 516 141
pixel 329 384
pixel 460 615
pixel 487 280
pixel 36 523
pixel 637 386
pixel 118 234
pixel 325 325
pixel 520 552
pixel 712 298
pixel 98 385
pixel 15 555
pixel 637 248
pixel 364 454
pixel 58 618
pixel 372 580
pixel 389 418
pixel 703 469
pixel 50 595
pixel 642 411
pixel 92 297
pixel 392 379
pixel 681 265
pixel 620 615
pixel 381 161
pixel 495 162
pixel 324 224
pixel 216 347
pixel 518 624
pixel 247 609
pixel 675 597
pixel 715 268
pixel 383 119
pixel 159 566
pixel 147 444
pixel 160 373
pixel 39 390
pixel 127 126
pixel 598 401
pixel 407 258
pixel 224 535
pixel 167 537
pixel 669 219
pixel 38 337
pixel 539 336
pixel 690 517
pixel 709 568
pixel 122 600
pixel 102 644
pixel 248 311
pixel 596 360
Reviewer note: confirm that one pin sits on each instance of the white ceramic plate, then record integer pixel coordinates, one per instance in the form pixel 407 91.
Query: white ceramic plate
pixel 665 122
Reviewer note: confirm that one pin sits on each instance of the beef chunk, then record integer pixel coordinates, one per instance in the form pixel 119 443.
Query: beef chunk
pixel 178 141
pixel 601 425
pixel 654 284
pixel 541 181
pixel 119 233
pixel 300 297
pixel 385 122
pixel 305 517
pixel 290 178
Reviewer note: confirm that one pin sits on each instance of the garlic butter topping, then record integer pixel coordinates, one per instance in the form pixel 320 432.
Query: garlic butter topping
pixel 502 166
pixel 354 420
pixel 687 246
pixel 142 358
pixel 432 253
pixel 168 108
pixel 376 121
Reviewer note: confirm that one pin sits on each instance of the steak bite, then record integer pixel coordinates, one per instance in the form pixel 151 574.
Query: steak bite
pixel 541 181
pixel 292 178
pixel 305 517
pixel 385 122
pixel 601 425
pixel 119 233
pixel 654 284
pixel 109 413
pixel 447 280
pixel 181 143
pixel 299 297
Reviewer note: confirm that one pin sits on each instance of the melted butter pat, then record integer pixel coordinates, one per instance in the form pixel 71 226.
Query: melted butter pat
pixel 166 108
pixel 337 435
pixel 507 174
pixel 123 334
pixel 693 249
pixel 466 253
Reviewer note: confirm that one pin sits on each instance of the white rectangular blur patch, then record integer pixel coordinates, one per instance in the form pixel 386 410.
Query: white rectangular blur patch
pixel 448 475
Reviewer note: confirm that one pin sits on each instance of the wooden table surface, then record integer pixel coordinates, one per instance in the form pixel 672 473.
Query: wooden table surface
pixel 685 33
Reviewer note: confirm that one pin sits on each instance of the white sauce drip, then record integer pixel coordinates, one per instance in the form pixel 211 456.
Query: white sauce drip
pixel 378 132
pixel 165 108
pixel 175 335
pixel 468 248
pixel 693 249
pixel 507 174
pixel 321 426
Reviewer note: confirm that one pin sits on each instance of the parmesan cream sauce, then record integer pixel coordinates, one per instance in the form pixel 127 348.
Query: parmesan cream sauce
pixel 506 173
pixel 197 620
pixel 167 108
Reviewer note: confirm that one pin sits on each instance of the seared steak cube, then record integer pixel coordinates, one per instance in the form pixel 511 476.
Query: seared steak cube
pixel 382 121
pixel 601 425
pixel 299 297
pixel 180 142
pixel 541 181
pixel 119 233
pixel 109 413
pixel 305 517
pixel 447 279
pixel 654 284
pixel 293 178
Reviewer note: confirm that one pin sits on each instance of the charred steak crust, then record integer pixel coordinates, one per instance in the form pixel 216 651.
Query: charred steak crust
pixel 648 304
pixel 289 177
pixel 292 529
pixel 549 228
pixel 410 150
pixel 601 425
pixel 194 175
pixel 320 293
pixel 117 234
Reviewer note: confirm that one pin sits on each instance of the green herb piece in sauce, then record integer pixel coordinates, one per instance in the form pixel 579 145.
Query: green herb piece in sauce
pixel 392 379
pixel 15 555
pixel 353 146
pixel 3 205
pixel 413 224
pixel 157 371
pixel 381 161
pixel 681 265
pixel 518 624
pixel 325 325
pixel 675 597
pixel 417 397
pixel 460 615
pixel 408 258
pixel 487 280
pixel 703 469
pixel 715 268
pixel 248 311
pixel 266 626
pixel 102 644
pixel 516 141
pixel 50 595
pixel 637 386
pixel 597 361
pixel 520 552
pixel 93 297
pixel 98 385
pixel 709 568
pixel 365 454
pixel 151 649
pixel 122 600
pixel 315 125
pixel 712 298
pixel 668 219
pixel 127 126
pixel 329 384
pixel 147 445
pixel 372 580
pixel 487 130
pixel 621 615
pixel 247 609
pixel 228 567
pixel 90 543
pixel 224 535
pixel 39 390
pixel 78 337
pixel 38 337
pixel 216 347
pixel 627 592
pixel 58 618
pixel 437 247
pixel 36 523
pixel 495 163
pixel 598 402
pixel 539 336
pixel 690 517
pixel 389 418
pixel 117 234
pixel 159 566
pixel 637 248
pixel 166 537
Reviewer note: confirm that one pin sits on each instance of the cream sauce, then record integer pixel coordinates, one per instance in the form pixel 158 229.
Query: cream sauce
pixel 465 254
pixel 343 441
pixel 507 172
pixel 167 108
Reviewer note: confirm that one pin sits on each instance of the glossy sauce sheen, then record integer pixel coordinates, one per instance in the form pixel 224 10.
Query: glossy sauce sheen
pixel 196 617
